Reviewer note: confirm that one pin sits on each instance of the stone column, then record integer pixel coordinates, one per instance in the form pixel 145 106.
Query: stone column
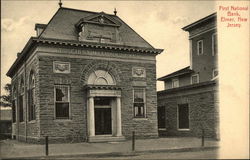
pixel 91 117
pixel 118 117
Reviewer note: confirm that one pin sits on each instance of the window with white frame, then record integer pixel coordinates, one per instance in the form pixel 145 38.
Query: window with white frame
pixel 199 47
pixel 183 117
pixel 175 83
pixel 214 44
pixel 195 78
pixel 215 73
pixel 31 97
pixel 139 102
pixel 62 101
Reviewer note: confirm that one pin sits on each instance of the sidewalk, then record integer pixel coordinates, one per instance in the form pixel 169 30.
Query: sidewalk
pixel 12 148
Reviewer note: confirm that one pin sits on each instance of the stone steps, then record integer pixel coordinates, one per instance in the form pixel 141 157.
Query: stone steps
pixel 106 138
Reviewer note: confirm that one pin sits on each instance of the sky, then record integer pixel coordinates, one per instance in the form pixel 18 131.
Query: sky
pixel 158 22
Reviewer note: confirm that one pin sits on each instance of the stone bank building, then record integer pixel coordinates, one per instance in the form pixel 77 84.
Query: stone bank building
pixel 86 76
pixel 189 102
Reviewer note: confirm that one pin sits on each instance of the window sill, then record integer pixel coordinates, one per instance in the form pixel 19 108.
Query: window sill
pixel 183 129
pixel 62 120
pixel 32 121
pixel 140 119
pixel 162 129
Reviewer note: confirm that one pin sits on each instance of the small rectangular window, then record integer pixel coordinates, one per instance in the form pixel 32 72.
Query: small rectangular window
pixel 183 116
pixel 195 78
pixel 175 83
pixel 139 103
pixel 200 47
pixel 214 44
pixel 62 101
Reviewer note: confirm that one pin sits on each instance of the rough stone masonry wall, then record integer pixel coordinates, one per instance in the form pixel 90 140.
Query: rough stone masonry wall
pixel 27 130
pixel 75 127
pixel 203 111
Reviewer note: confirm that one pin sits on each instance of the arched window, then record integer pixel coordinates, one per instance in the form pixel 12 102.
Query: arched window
pixel 31 96
pixel 14 104
pixel 21 100
pixel 21 86
pixel 101 77
pixel 14 92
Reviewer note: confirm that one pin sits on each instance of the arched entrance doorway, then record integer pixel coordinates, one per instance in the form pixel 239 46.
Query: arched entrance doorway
pixel 104 105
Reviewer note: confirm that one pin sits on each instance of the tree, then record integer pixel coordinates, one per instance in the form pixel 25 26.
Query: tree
pixel 5 100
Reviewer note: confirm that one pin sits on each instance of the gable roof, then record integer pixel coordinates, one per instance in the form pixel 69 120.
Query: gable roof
pixel 62 26
pixel 183 71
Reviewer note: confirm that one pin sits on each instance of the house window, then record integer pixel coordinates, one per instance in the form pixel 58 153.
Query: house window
pixel 214 44
pixel 183 117
pixel 161 110
pixel 21 101
pixel 200 47
pixel 175 83
pixel 215 73
pixel 31 97
pixel 195 78
pixel 62 101
pixel 139 103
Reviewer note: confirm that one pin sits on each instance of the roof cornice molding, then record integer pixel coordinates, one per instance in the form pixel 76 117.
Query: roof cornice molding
pixel 177 73
pixel 190 26
pixel 106 46
pixel 34 40
pixel 192 86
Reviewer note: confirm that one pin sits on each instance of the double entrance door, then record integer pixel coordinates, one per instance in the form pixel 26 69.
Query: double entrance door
pixel 103 114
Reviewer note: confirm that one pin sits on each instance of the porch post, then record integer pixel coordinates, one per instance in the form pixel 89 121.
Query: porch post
pixel 118 117
pixel 91 117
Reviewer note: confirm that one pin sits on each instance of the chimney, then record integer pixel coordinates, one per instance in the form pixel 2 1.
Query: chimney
pixel 39 28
